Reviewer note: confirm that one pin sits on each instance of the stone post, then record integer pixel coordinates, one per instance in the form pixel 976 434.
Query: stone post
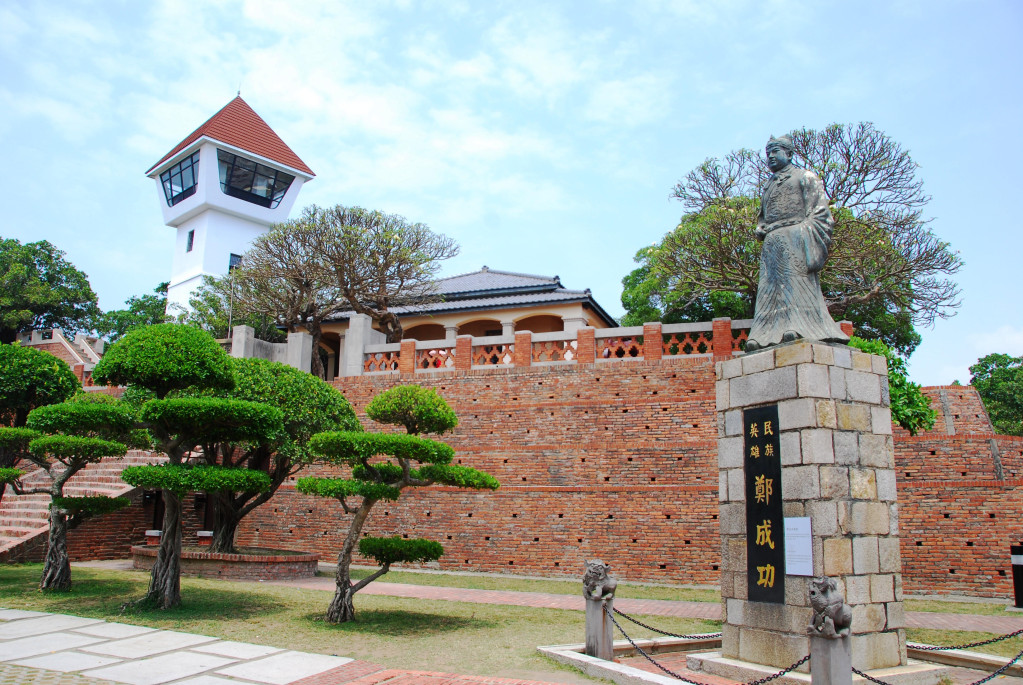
pixel 359 334
pixel 243 342
pixel 830 661
pixel 837 462
pixel 599 629
pixel 300 351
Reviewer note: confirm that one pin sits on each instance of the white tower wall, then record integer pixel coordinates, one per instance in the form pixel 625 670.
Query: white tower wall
pixel 221 225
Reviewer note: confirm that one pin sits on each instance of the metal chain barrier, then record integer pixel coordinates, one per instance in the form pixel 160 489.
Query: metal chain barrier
pixel 657 630
pixel 760 681
pixel 931 648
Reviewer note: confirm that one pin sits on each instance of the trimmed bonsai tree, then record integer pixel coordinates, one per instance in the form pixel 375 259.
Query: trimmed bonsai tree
pixel 309 406
pixel 380 466
pixel 161 359
pixel 29 378
pixel 73 435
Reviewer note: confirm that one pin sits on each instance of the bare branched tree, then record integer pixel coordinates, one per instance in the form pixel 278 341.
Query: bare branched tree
pixel 381 262
pixel 884 256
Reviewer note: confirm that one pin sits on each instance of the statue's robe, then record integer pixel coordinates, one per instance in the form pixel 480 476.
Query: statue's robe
pixel 794 214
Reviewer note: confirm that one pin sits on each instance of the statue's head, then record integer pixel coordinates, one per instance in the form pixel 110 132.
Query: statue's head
pixel 779 152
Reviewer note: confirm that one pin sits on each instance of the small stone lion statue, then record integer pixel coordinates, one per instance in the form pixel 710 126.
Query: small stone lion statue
pixel 832 617
pixel 597 584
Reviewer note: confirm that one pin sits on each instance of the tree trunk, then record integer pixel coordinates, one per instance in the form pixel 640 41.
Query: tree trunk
pixel 57 569
pixel 224 529
pixel 341 607
pixel 165 580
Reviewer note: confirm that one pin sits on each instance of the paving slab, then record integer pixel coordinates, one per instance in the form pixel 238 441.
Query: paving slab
pixel 236 650
pixel 34 645
pixel 160 669
pixel 67 662
pixel 284 668
pixel 12 614
pixel 42 624
pixel 208 680
pixel 114 630
pixel 149 644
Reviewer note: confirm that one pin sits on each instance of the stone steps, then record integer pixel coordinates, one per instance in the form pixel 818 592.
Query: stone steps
pixel 24 517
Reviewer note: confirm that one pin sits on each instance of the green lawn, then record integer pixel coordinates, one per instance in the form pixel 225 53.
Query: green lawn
pixel 399 633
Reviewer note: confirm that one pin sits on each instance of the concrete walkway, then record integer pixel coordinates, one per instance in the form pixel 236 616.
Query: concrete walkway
pixel 55 649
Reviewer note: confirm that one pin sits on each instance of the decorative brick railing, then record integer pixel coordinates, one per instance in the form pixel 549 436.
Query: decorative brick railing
pixel 651 342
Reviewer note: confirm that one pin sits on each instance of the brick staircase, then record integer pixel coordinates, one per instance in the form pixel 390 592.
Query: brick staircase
pixel 23 518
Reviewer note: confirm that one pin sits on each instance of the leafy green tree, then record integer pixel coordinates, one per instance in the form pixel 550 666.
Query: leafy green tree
pixel 73 435
pixel 216 307
pixel 29 378
pixel 380 466
pixel 40 289
pixel 161 359
pixel 887 272
pixel 911 408
pixel 999 380
pixel 138 312
pixel 309 406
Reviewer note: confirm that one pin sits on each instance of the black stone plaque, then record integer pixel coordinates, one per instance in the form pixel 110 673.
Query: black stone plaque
pixel 765 523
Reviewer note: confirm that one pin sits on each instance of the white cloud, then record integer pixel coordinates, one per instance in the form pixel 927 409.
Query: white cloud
pixel 1004 340
pixel 630 102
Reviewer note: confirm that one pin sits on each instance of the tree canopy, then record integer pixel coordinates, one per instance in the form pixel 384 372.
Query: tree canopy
pixel 31 378
pixel 139 311
pixel 887 272
pixel 337 259
pixel 999 380
pixel 165 357
pixel 41 289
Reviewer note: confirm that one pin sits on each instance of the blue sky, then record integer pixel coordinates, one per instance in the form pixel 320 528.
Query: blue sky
pixel 544 137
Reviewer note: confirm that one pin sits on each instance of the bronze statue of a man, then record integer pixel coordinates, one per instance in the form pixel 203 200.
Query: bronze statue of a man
pixel 795 224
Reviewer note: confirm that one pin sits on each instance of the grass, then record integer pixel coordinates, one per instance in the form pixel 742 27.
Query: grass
pixel 927 636
pixel 975 608
pixel 554 587
pixel 459 637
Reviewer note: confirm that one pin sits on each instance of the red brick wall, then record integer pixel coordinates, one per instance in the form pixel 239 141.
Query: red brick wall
pixel 111 536
pixel 618 461
pixel 594 460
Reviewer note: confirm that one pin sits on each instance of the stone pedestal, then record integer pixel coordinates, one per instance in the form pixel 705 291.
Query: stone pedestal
pixel 830 661
pixel 838 469
pixel 599 629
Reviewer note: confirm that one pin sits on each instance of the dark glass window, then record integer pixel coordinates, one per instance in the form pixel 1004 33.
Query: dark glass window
pixel 191 241
pixel 179 181
pixel 233 262
pixel 250 181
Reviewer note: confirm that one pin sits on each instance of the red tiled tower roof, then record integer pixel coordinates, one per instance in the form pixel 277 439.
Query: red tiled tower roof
pixel 238 125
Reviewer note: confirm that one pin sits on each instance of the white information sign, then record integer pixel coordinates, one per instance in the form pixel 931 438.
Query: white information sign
pixel 798 547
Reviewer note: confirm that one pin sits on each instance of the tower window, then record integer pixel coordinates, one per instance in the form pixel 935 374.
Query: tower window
pixel 191 241
pixel 179 181
pixel 250 181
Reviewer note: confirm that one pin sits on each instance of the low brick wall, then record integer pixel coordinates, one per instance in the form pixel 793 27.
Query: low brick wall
pixel 233 566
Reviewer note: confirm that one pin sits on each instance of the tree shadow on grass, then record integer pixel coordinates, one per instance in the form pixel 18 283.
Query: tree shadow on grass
pixel 210 604
pixel 397 623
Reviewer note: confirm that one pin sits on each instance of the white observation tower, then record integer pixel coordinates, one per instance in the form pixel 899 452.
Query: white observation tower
pixel 221 187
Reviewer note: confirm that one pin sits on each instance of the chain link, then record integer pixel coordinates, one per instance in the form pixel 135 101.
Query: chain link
pixel 932 648
pixel 701 636
pixel 869 677
pixel 649 658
